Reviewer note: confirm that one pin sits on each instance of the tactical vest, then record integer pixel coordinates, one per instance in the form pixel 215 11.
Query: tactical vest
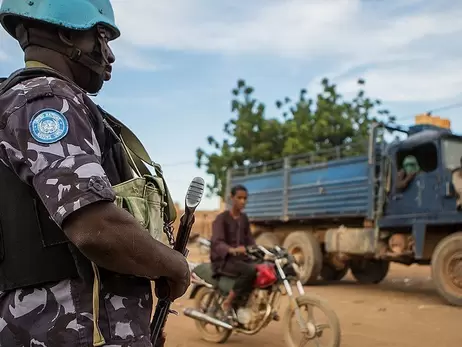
pixel 34 250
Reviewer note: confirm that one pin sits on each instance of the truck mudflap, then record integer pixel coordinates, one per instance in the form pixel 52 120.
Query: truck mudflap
pixel 350 240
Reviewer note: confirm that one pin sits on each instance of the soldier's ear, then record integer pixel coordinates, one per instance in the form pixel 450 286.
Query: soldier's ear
pixel 65 37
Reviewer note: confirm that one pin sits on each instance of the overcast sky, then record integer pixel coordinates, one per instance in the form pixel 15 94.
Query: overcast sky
pixel 178 60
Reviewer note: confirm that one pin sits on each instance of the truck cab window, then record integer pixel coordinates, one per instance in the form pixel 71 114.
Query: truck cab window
pixel 426 156
pixel 452 153
pixel 413 161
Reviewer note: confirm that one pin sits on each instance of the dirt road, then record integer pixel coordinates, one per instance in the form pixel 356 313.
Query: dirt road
pixel 402 311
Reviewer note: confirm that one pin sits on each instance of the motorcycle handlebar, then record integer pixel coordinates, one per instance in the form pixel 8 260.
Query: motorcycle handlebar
pixel 260 251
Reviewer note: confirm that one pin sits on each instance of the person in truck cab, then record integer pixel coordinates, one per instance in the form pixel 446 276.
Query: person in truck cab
pixel 230 235
pixel 410 169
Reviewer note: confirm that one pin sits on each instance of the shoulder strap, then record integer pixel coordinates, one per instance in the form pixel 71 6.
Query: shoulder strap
pixel 134 146
pixel 139 157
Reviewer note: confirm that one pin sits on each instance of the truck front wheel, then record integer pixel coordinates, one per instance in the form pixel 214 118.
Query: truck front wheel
pixel 369 271
pixel 447 268
pixel 306 250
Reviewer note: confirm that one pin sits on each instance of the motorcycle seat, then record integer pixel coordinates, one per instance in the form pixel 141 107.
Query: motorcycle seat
pixel 223 283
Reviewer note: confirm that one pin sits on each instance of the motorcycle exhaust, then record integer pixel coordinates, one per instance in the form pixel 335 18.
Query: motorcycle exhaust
pixel 195 314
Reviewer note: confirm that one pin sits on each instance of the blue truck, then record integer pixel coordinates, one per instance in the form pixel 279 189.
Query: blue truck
pixel 346 213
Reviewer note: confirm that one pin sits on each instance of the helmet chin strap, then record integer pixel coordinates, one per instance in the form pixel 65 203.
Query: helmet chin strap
pixel 73 53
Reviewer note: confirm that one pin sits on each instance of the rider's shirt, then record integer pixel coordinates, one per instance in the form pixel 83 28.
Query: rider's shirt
pixel 228 232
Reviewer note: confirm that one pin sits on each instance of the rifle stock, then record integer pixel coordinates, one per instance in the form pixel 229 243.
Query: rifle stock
pixel 192 200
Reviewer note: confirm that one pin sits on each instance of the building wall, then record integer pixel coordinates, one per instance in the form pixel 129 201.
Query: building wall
pixel 204 219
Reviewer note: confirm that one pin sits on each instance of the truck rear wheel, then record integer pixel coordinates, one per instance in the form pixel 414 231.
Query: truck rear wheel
pixel 267 240
pixel 447 268
pixel 330 273
pixel 307 253
pixel 370 271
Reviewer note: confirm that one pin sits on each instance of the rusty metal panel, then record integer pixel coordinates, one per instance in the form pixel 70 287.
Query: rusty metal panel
pixel 350 240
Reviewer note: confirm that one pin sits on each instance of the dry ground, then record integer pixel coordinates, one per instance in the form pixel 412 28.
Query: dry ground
pixel 402 311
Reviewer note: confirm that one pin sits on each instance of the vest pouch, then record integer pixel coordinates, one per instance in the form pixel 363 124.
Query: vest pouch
pixel 143 198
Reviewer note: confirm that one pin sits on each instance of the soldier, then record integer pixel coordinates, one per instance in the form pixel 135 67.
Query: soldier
pixel 75 267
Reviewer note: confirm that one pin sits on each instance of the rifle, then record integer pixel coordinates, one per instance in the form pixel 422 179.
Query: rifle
pixel 192 200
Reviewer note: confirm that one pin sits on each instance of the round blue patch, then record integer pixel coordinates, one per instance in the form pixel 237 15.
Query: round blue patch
pixel 48 126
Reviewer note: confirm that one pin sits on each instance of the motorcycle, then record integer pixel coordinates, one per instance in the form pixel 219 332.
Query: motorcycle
pixel 276 271
pixel 204 245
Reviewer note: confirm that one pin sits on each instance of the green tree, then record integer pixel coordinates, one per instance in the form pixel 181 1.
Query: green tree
pixel 306 125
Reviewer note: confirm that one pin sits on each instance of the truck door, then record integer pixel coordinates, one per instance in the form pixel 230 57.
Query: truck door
pixel 451 162
pixel 422 194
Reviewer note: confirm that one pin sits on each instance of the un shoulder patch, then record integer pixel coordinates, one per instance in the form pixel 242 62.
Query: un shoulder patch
pixel 48 126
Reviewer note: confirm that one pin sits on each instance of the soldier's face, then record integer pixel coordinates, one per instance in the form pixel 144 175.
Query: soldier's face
pixel 96 43
pixel 106 52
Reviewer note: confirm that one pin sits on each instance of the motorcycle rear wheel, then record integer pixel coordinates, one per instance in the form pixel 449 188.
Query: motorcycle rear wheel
pixel 217 334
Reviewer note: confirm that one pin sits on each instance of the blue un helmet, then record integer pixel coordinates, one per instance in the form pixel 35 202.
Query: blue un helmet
pixel 76 15
pixel 70 14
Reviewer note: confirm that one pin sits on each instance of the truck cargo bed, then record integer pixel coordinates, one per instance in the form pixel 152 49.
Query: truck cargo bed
pixel 334 189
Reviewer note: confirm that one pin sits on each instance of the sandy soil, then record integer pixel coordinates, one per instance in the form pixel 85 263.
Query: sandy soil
pixel 402 311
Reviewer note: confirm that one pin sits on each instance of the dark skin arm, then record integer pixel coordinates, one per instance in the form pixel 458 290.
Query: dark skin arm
pixel 403 180
pixel 111 238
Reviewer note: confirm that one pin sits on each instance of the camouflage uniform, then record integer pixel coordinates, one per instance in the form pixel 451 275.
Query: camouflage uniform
pixel 66 175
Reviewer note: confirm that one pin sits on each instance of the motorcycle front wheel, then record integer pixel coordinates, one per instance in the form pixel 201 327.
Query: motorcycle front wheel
pixel 315 330
pixel 209 332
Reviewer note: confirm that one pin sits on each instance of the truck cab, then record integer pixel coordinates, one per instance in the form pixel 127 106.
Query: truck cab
pixel 421 222
pixel 430 194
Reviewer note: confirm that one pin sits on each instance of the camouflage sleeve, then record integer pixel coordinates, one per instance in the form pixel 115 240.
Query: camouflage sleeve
pixel 51 145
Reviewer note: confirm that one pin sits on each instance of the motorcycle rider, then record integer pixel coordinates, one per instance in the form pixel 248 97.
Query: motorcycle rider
pixel 230 236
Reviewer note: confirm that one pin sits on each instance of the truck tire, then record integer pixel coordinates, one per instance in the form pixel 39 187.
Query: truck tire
pixel 331 273
pixel 446 268
pixel 370 271
pixel 267 239
pixel 307 252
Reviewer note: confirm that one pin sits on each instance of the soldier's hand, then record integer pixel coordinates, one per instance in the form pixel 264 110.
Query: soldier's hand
pixel 180 278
